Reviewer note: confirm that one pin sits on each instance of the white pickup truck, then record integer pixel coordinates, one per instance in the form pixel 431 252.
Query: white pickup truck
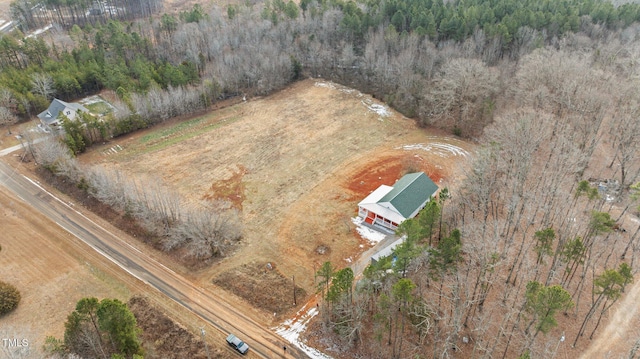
pixel 237 344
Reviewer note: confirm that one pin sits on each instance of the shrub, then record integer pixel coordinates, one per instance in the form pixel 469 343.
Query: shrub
pixel 9 298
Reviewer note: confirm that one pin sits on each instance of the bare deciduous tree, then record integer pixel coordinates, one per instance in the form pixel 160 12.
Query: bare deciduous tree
pixel 52 154
pixel 462 95
pixel 42 84
pixel 7 118
pixel 624 133
pixel 206 232
pixel 7 108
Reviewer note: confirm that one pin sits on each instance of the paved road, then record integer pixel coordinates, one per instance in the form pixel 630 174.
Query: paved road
pixel 209 306
pixel 11 149
pixel 8 150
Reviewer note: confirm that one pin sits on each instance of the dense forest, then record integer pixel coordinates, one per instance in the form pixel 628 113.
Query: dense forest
pixel 396 50
pixel 36 14
pixel 534 242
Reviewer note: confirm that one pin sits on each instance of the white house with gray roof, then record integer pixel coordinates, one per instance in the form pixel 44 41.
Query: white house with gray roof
pixel 388 206
pixel 51 116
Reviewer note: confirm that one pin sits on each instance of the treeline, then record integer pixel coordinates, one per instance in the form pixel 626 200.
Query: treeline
pixel 116 59
pixel 457 20
pixel 259 50
pixel 34 14
pixel 203 231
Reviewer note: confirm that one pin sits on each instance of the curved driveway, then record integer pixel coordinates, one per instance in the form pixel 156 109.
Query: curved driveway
pixel 207 305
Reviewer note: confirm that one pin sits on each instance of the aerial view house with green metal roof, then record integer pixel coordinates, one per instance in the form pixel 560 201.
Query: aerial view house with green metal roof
pixel 388 206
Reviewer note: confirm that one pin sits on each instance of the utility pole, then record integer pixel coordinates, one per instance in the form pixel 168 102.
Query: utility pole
pixel 558 345
pixel 24 154
pixel 294 290
pixel 205 343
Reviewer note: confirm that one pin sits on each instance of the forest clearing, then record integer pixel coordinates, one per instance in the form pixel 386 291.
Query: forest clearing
pixel 293 166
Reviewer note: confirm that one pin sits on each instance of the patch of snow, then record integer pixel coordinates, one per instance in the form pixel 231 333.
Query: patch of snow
pixel 367 233
pixel 290 330
pixel 381 110
pixel 438 148
pixel 40 31
pixel 334 86
pixel 4 24
pixel 329 85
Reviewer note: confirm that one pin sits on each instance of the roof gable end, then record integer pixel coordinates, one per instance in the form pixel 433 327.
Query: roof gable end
pixel 50 115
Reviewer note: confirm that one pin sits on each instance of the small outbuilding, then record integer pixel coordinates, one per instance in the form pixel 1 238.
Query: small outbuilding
pixel 387 251
pixel 51 116
pixel 388 206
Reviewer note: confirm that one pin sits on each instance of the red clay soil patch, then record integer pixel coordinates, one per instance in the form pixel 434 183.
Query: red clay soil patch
pixel 230 190
pixel 387 171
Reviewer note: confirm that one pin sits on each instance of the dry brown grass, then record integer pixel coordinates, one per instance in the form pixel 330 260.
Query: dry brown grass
pixel 46 265
pixel 298 158
pixel 4 10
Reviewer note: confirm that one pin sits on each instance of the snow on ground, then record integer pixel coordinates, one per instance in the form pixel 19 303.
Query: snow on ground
pixel 329 85
pixel 40 31
pixel 381 110
pixel 367 233
pixel 439 148
pixel 290 330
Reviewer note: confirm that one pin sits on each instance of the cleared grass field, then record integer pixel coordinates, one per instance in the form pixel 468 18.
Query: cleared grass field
pixel 296 164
